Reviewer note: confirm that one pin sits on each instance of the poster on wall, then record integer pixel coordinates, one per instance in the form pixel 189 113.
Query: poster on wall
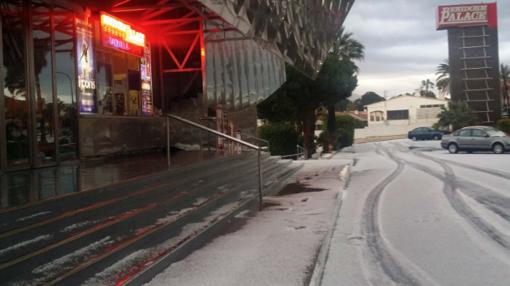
pixel 86 65
pixel 133 102
pixel 146 86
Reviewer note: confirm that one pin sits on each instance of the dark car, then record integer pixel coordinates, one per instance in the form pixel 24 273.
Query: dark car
pixel 476 138
pixel 425 133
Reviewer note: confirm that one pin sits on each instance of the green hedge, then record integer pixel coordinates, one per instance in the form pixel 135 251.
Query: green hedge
pixel 345 131
pixel 504 125
pixel 282 138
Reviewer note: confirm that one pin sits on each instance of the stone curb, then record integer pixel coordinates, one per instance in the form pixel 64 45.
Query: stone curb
pixel 322 257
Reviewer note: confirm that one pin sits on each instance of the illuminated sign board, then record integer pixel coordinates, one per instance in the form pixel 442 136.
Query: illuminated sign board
pixel 456 16
pixel 119 35
pixel 146 83
pixel 86 65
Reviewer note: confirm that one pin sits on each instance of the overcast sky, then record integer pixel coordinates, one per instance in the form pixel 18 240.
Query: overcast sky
pixel 402 46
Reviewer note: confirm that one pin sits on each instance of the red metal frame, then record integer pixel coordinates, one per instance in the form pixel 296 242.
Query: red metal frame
pixel 176 27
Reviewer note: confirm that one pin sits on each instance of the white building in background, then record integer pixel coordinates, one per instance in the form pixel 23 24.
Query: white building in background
pixel 399 115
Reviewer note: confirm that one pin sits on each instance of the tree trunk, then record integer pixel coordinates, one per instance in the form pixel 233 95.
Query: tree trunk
pixel 308 134
pixel 507 99
pixel 331 119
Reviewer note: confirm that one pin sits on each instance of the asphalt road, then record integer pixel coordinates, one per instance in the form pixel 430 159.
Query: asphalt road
pixel 415 215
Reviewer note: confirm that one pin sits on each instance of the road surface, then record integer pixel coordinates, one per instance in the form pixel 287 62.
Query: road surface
pixel 415 215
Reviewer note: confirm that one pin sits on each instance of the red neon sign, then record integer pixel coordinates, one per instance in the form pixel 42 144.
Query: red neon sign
pixel 456 16
pixel 119 35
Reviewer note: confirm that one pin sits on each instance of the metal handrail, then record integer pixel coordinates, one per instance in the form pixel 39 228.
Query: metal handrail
pixel 266 142
pixel 217 133
pixel 300 151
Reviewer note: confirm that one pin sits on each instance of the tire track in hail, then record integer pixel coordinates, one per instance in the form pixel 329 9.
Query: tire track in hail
pixel 377 248
pixel 497 173
pixel 493 172
pixel 460 206
pixel 495 202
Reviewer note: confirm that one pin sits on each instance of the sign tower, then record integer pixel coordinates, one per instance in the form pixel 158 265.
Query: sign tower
pixel 473 57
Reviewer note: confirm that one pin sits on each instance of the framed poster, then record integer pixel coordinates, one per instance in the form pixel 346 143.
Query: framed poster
pixel 85 64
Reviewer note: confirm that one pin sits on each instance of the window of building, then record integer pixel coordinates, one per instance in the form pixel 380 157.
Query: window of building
pixel 65 77
pixel 398 114
pixel 118 83
pixel 432 106
pixel 376 116
pixel 14 93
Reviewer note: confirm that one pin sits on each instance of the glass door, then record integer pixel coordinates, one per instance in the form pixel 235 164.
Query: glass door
pixel 15 100
pixel 65 88
pixel 44 122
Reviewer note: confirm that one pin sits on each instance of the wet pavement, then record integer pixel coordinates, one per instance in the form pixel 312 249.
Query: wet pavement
pixel 24 187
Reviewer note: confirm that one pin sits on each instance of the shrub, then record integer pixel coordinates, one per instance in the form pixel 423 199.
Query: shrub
pixel 344 134
pixel 457 115
pixel 324 140
pixel 282 138
pixel 504 125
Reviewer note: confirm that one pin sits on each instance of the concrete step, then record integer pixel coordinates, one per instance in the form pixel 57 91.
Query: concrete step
pixel 45 252
pixel 46 209
pixel 110 212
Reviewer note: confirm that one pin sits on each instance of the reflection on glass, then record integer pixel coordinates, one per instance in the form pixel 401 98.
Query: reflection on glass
pixel 118 83
pixel 43 85
pixel 15 93
pixel 19 189
pixel 66 85
pixel 104 84
pixel 119 89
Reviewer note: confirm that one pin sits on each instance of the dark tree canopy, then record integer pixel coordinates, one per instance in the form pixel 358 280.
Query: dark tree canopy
pixel 344 105
pixel 426 89
pixel 367 98
pixel 298 99
pixel 294 102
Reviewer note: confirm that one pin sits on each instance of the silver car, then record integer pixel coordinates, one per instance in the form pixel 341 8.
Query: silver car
pixel 476 138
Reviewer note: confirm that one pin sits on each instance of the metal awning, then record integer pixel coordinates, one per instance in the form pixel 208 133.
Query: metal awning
pixel 299 31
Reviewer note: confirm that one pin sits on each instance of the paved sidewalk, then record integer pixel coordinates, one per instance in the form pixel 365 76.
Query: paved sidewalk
pixel 277 246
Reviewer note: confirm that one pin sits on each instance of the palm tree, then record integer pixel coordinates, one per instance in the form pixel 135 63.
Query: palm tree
pixel 344 52
pixel 456 116
pixel 345 47
pixel 505 76
pixel 443 77
pixel 425 86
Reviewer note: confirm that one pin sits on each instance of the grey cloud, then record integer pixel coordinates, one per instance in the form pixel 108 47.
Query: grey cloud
pixel 402 43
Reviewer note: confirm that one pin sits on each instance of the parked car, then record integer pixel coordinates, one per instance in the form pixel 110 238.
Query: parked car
pixel 425 133
pixel 476 138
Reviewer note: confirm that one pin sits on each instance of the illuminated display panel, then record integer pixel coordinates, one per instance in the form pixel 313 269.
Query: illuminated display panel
pixel 119 35
pixel 146 85
pixel 85 57
pixel 467 15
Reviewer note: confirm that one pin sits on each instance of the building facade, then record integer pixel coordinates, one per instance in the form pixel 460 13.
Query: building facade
pixel 399 115
pixel 82 79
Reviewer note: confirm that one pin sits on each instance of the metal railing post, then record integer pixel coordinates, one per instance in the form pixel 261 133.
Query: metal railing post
pixel 260 178
pixel 168 141
pixel 222 135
